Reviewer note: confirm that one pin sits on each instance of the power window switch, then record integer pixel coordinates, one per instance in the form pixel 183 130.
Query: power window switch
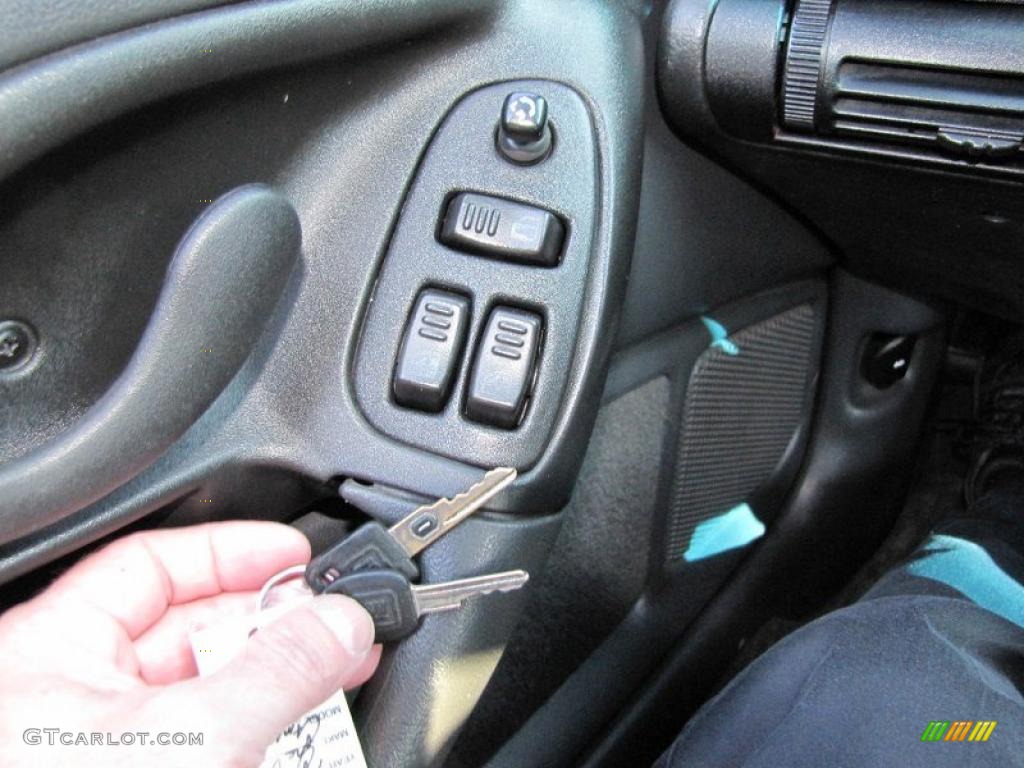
pixel 431 349
pixel 502 376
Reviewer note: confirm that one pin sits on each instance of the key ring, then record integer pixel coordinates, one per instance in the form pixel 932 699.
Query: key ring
pixel 279 578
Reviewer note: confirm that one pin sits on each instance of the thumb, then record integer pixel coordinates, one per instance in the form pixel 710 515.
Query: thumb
pixel 287 668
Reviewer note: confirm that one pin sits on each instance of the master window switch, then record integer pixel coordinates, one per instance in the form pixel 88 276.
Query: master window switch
pixel 502 229
pixel 499 386
pixel 431 350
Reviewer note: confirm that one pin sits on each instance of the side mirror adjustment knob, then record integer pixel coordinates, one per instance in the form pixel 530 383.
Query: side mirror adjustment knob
pixel 524 135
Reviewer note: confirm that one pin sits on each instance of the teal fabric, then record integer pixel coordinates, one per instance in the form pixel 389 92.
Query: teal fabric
pixel 720 336
pixel 731 530
pixel 969 569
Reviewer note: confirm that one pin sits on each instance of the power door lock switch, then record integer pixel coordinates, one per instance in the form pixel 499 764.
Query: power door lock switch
pixel 431 349
pixel 502 229
pixel 506 359
pixel 524 136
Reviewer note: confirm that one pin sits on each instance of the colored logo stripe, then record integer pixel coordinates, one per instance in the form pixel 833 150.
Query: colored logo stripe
pixel 982 730
pixel 935 730
pixel 958 730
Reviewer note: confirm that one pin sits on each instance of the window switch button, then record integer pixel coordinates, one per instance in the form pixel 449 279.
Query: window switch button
pixel 502 229
pixel 499 386
pixel 430 350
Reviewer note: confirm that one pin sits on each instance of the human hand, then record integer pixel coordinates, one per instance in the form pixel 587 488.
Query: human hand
pixel 105 649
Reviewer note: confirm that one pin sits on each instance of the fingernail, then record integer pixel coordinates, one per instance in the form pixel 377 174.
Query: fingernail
pixel 348 620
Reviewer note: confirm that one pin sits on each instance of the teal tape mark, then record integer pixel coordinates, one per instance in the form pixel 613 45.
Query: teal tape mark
pixel 970 570
pixel 736 528
pixel 720 336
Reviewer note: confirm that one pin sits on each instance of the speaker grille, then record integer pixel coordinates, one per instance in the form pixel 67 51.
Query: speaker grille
pixel 740 413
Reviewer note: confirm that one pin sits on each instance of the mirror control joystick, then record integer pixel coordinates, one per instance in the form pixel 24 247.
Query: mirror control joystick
pixel 524 135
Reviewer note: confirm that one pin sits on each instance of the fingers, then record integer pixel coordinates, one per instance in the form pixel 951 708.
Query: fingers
pixel 364 671
pixel 164 651
pixel 135 579
pixel 287 668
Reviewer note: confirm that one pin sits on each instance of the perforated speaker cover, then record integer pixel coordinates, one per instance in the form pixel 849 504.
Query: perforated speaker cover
pixel 743 404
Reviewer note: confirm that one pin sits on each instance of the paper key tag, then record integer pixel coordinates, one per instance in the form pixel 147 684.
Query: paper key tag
pixel 325 737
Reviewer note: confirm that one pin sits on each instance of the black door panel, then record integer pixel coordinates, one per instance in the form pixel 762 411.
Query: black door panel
pixel 683 352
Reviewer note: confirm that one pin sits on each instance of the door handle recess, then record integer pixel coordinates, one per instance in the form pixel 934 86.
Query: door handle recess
pixel 224 279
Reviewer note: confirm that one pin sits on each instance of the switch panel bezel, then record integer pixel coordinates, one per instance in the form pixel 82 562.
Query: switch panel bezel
pixel 462 157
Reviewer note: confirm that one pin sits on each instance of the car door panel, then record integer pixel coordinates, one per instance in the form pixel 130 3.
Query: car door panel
pixel 699 356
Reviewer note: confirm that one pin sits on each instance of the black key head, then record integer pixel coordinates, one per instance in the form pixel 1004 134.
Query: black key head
pixel 369 547
pixel 387 596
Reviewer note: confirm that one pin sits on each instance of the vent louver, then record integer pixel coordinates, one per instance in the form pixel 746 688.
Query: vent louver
pixel 942 78
pixel 978 115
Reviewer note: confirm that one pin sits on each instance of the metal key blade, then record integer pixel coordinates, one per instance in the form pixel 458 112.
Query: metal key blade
pixel 449 595
pixel 426 524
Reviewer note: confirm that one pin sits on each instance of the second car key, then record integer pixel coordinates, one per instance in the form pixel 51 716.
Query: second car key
pixel 397 606
pixel 372 546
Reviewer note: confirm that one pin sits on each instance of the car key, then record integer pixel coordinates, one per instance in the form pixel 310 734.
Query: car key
pixel 372 546
pixel 397 606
